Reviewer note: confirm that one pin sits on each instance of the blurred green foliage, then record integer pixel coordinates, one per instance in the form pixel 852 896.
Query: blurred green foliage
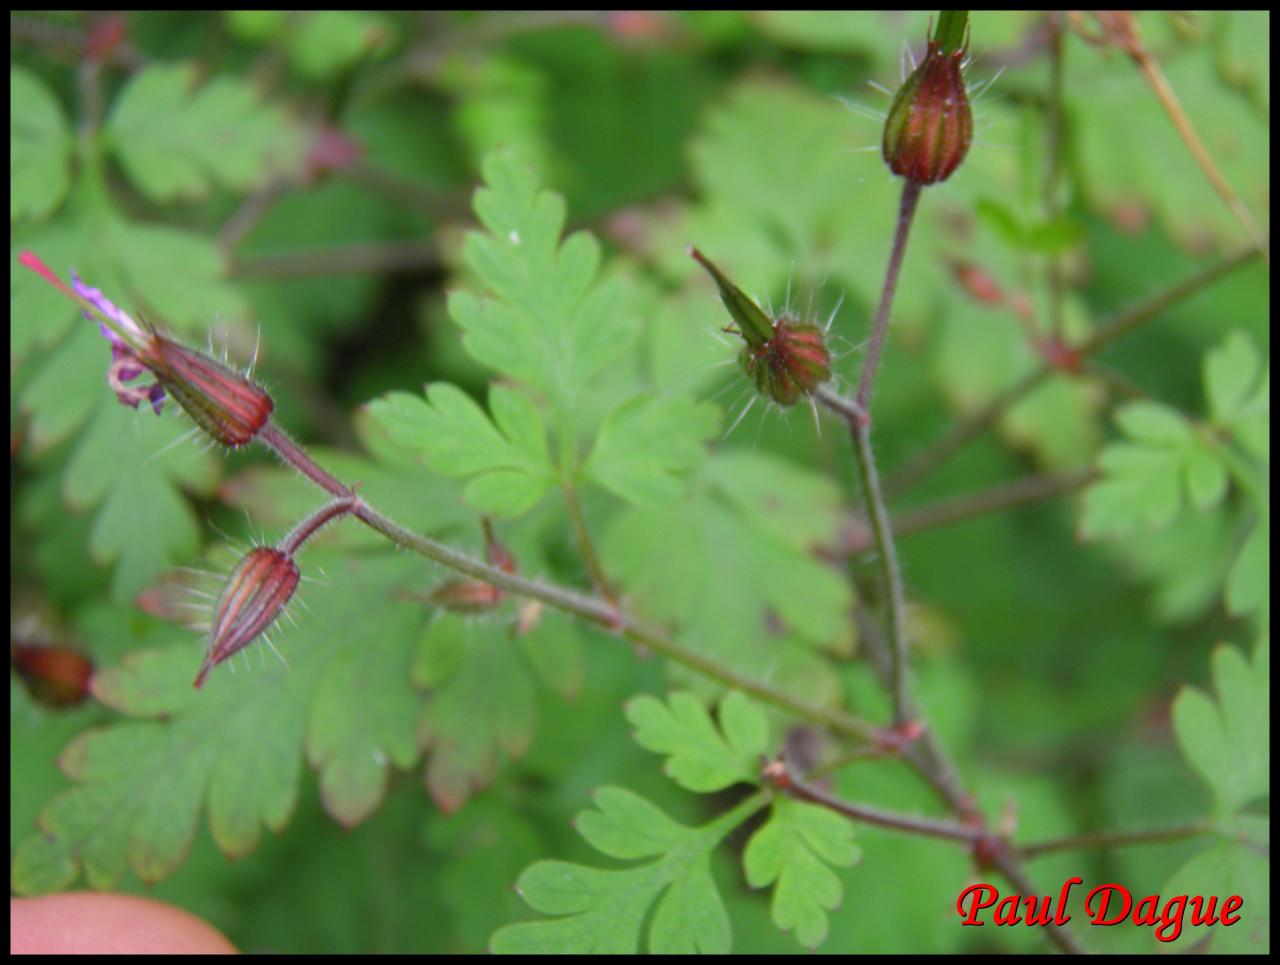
pixel 304 182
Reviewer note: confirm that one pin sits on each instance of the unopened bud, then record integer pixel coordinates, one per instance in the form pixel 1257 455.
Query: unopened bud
pixel 930 123
pixel 220 400
pixel 786 358
pixel 254 595
pixel 791 364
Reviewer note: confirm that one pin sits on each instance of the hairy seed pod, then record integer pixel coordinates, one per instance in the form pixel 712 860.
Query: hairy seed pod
pixel 791 364
pixel 930 124
pixel 254 595
pixel 785 358
pixel 220 400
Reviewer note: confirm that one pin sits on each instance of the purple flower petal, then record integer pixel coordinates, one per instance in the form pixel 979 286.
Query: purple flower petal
pixel 157 397
pixel 104 305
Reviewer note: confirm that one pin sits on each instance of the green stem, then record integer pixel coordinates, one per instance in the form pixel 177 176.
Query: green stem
pixel 949 34
pixel 586 546
pixel 860 429
pixel 895 602
pixel 880 328
pixel 722 824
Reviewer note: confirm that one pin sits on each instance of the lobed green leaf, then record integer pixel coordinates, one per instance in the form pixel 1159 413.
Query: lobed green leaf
pixel 1227 740
pixel 178 142
pixel 604 911
pixel 40 147
pixel 791 852
pixel 701 757
pixel 648 444
pixel 549 321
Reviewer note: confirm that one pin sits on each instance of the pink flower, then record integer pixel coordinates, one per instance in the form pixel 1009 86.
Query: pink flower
pixel 223 402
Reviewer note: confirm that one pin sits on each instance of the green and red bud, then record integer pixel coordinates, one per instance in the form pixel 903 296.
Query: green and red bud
pixel 255 594
pixel 786 359
pixel 260 586
pixel 930 124
pixel 791 364
pixel 223 402
pixel 754 325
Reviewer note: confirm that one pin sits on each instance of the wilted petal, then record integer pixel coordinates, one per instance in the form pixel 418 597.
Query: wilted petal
pixel 128 334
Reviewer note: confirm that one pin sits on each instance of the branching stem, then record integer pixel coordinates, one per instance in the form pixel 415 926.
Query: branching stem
pixel 602 612
pixel 798 787
pixel 926 461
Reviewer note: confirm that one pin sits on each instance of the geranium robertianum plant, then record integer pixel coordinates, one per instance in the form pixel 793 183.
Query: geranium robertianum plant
pixel 610 507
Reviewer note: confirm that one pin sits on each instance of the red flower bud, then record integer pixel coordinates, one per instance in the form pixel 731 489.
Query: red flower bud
pixel 220 400
pixel 254 595
pixel 784 357
pixel 930 124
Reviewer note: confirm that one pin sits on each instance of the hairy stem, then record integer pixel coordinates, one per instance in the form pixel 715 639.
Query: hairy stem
pixel 313 523
pixel 925 755
pixel 798 787
pixel 1007 864
pixel 276 439
pixel 994 499
pixel 610 617
pixel 847 409
pixel 860 428
pixel 602 612
pixel 931 762
pixel 895 602
pixel 880 327
pixel 955 438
